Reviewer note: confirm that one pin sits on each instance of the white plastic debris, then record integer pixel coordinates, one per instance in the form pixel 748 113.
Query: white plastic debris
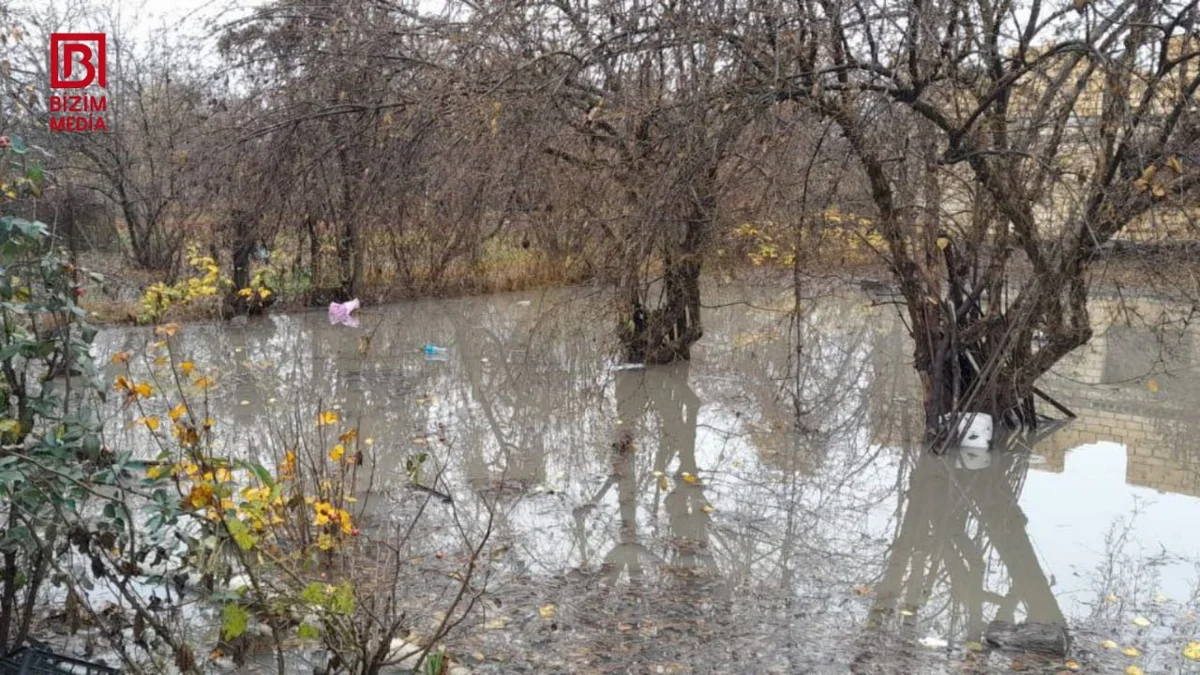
pixel 933 642
pixel 974 430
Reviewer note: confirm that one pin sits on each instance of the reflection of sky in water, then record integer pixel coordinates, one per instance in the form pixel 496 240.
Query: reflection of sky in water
pixel 804 508
pixel 1071 514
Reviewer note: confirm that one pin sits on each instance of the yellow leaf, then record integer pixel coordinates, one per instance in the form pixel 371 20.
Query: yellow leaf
pixel 160 361
pixel 1131 652
pixel 336 453
pixel 1108 644
pixel 1134 670
pixel 187 367
pixel 1158 190
pixel 689 478
pixel 204 382
pixel 121 358
pixel 168 329
pixel 153 472
pixel 1141 185
pixel 152 422
pixel 177 412
pixel 1148 174
pixel 142 389
pixel 663 483
pixel 1192 651
pixel 245 292
pixel 264 293
pixel 1071 664
pixel 327 417
pixel 1141 621
pixel 1175 164
pixel 707 508
pixel 547 611
pixel 943 242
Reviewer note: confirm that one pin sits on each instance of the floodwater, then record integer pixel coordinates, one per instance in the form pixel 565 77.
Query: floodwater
pixel 763 509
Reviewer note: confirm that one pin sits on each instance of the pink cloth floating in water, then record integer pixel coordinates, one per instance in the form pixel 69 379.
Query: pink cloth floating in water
pixel 342 312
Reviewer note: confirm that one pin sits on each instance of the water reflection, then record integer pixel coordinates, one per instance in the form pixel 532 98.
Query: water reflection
pixel 962 556
pixel 763 507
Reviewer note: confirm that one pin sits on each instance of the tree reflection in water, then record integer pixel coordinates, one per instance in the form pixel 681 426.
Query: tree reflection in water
pixel 961 555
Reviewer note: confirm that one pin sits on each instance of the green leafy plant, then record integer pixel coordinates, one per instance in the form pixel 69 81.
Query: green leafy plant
pixel 51 457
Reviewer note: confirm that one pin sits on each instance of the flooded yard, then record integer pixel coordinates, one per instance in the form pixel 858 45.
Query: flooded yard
pixel 763 509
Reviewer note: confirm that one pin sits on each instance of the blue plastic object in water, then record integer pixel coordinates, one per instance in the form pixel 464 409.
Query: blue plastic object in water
pixel 432 350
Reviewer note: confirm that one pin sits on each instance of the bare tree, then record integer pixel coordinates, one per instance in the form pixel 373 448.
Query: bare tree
pixel 1004 143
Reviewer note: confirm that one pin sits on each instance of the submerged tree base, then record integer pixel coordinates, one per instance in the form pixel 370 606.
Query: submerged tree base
pixel 659 337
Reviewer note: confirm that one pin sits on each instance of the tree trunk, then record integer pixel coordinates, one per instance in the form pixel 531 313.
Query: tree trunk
pixel 666 334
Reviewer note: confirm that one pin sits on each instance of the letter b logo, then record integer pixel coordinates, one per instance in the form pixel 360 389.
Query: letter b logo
pixel 88 48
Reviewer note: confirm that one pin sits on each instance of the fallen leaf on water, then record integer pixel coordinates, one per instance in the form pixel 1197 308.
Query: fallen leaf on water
pixel 861 590
pixel 1108 644
pixel 707 508
pixel 547 611
pixel 1134 670
pixel 1132 652
pixel 1141 621
pixel 1192 651
pixel 1071 664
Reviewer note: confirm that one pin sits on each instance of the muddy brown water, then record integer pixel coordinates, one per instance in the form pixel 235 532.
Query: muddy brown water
pixel 816 536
